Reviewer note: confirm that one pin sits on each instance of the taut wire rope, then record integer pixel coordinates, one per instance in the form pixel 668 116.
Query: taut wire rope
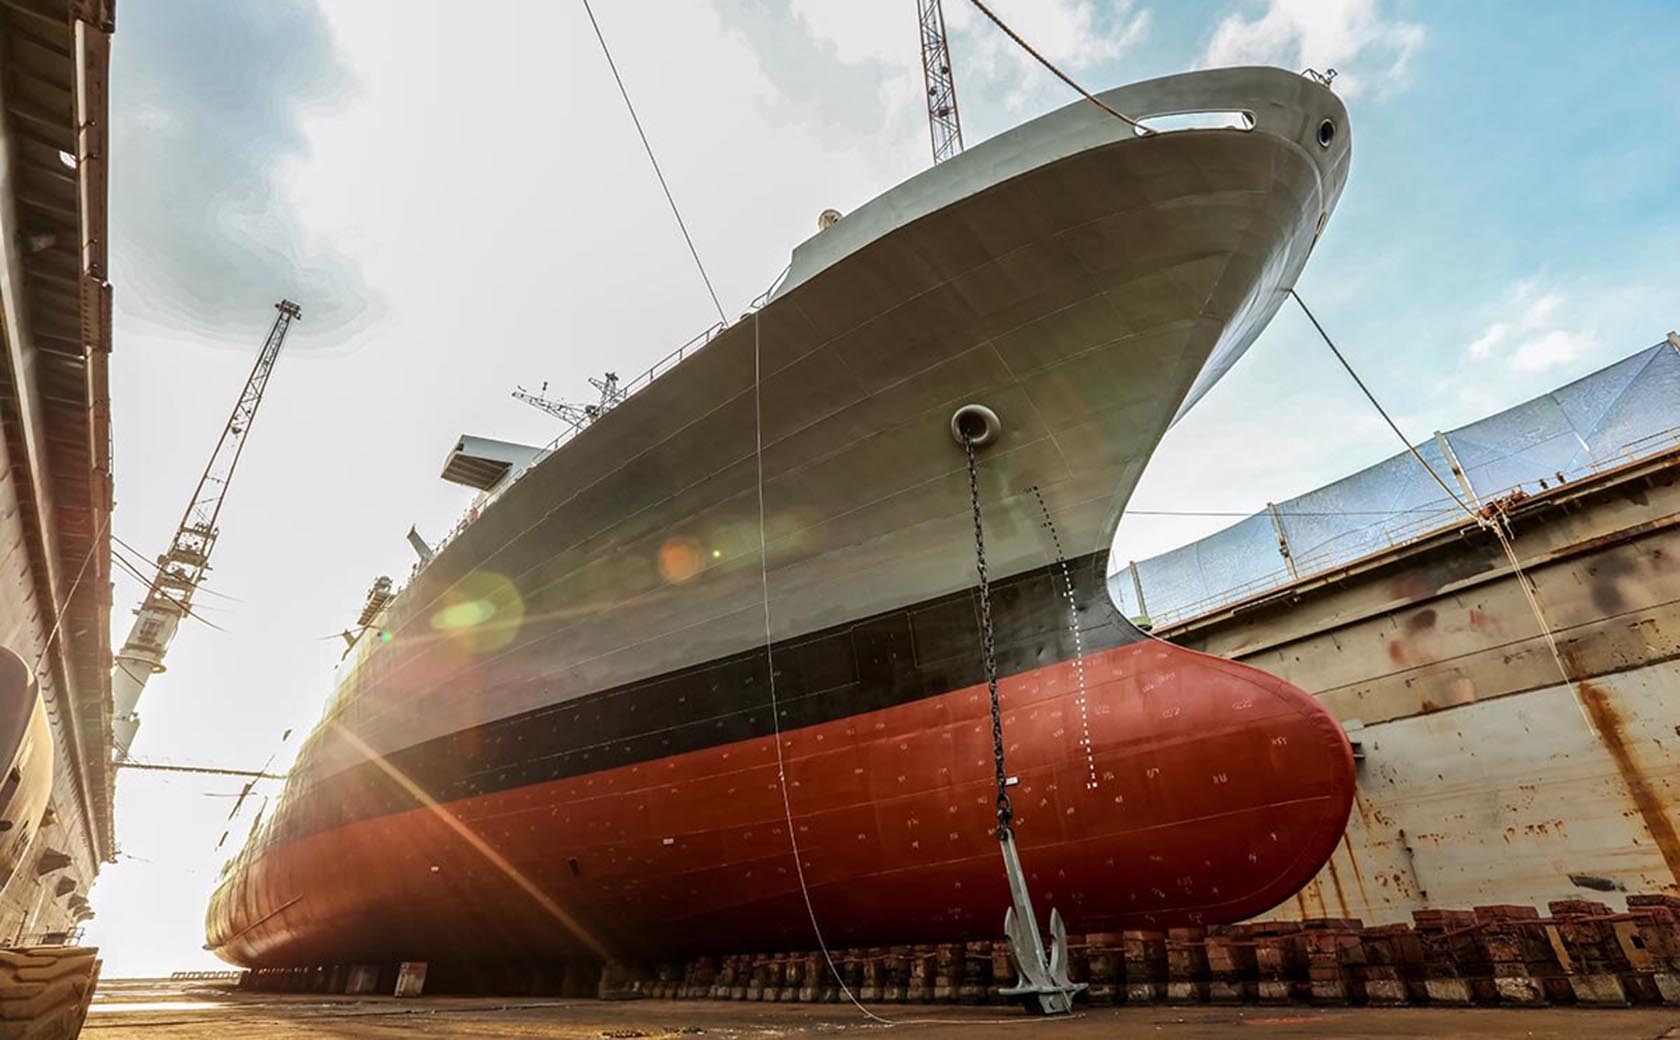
pixel 1058 73
pixel 770 668
pixel 64 604
pixel 657 172
pixel 1493 523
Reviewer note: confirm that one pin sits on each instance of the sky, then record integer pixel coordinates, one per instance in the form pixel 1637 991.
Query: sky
pixel 460 204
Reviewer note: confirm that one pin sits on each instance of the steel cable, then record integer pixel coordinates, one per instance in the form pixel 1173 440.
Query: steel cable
pixel 1058 73
pixel 1496 523
pixel 657 172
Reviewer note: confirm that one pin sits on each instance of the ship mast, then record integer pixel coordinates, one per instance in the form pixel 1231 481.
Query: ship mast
pixel 182 568
pixel 577 416
pixel 944 125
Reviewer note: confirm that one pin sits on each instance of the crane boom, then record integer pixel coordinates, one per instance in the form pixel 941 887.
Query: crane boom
pixel 944 125
pixel 183 566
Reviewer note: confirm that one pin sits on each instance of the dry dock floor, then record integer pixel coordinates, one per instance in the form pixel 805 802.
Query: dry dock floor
pixel 149 1009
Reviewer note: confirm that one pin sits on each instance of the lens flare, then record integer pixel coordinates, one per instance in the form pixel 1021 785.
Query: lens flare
pixel 483 610
pixel 679 559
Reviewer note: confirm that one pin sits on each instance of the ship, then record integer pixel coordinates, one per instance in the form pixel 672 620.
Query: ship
pixel 708 675
pixel 55 506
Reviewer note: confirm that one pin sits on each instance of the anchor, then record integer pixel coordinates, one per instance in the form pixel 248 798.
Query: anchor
pixel 1042 984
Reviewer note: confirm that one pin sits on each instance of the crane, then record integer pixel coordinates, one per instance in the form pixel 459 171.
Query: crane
pixel 181 569
pixel 577 416
pixel 944 125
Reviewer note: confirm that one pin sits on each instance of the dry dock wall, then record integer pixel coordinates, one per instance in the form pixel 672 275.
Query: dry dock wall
pixel 1485 777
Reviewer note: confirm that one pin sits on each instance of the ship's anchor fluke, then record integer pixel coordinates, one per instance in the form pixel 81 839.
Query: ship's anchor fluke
pixel 1042 984
pixel 1041 977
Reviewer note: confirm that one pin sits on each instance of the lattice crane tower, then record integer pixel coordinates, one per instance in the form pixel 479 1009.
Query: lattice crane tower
pixel 182 568
pixel 944 125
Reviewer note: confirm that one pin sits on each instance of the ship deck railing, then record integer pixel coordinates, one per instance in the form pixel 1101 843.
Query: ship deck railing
pixel 688 349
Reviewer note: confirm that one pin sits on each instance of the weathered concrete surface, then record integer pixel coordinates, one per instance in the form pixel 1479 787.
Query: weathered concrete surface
pixel 152 1010
pixel 1486 778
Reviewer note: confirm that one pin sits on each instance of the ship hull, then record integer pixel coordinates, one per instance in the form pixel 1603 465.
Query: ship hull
pixel 791 494
pixel 1218 792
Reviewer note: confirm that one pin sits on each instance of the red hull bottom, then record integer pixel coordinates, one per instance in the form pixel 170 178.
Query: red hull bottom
pixel 1174 788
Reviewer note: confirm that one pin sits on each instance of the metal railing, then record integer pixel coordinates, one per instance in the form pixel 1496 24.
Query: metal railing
pixel 630 389
pixel 665 364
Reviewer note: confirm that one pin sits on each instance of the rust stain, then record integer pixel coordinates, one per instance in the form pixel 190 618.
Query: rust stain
pixel 1353 863
pixel 1336 883
pixel 1396 652
pixel 1608 723
pixel 1422 620
pixel 1364 808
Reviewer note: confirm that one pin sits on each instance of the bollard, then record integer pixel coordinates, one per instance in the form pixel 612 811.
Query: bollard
pixel 1187 966
pixel 1104 957
pixel 1146 966
pixel 1335 959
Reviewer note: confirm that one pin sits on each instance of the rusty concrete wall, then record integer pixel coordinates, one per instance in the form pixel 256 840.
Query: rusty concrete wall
pixel 1486 776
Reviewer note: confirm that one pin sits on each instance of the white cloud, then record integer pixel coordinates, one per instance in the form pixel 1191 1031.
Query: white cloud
pixel 1531 339
pixel 1067 32
pixel 1350 36
pixel 1075 34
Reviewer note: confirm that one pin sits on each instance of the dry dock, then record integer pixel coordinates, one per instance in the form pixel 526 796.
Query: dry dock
pixel 145 1009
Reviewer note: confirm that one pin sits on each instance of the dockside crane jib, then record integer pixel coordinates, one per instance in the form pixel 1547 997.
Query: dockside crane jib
pixel 181 568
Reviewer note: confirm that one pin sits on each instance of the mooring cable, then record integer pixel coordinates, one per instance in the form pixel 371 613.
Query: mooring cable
pixel 770 667
pixel 64 603
pixel 657 172
pixel 1493 523
pixel 1058 73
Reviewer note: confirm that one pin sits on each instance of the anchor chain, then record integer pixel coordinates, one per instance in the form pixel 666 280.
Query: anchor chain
pixel 988 647
pixel 1041 970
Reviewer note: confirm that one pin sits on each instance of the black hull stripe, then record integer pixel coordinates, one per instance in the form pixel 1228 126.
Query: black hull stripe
pixel 878 662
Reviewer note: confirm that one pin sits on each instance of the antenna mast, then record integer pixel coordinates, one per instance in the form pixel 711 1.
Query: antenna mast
pixel 182 568
pixel 944 125
pixel 577 416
